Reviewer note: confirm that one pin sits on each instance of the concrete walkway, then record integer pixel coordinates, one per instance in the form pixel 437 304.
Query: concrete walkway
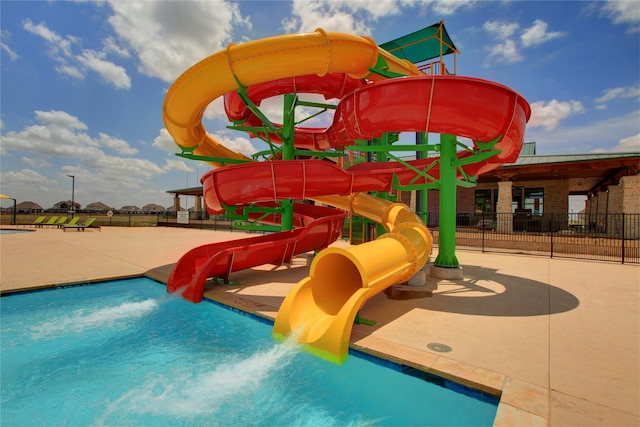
pixel 558 339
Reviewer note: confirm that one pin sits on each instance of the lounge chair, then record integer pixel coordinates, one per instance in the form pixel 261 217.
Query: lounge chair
pixel 87 224
pixel 61 220
pixel 51 221
pixel 73 221
pixel 38 221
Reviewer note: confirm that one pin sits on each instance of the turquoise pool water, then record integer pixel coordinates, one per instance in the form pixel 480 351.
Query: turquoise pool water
pixel 126 353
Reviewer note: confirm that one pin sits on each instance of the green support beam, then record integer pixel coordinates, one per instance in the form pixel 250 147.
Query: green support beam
pixel 447 232
pixel 288 153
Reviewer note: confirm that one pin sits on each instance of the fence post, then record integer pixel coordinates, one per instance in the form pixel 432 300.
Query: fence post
pixel 129 219
pixel 484 225
pixel 623 236
pixel 551 233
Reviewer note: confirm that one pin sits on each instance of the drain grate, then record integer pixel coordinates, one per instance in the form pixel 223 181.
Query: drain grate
pixel 440 348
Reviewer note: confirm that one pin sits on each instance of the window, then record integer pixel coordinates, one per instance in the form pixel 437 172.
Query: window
pixel 534 200
pixel 485 201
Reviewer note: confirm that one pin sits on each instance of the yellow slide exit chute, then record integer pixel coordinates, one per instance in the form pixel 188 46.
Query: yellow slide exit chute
pixel 321 309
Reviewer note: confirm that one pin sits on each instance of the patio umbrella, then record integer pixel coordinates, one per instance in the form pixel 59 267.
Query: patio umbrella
pixel 13 221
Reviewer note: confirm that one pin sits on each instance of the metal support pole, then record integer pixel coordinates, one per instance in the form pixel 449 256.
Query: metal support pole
pixel 73 194
pixel 288 153
pixel 421 195
pixel 447 244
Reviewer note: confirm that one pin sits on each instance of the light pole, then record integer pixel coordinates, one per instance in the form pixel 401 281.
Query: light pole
pixel 73 194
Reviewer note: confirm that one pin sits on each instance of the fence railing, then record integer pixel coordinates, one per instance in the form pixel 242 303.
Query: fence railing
pixel 605 237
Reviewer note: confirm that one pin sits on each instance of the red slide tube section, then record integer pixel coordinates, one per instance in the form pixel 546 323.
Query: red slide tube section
pixel 316 228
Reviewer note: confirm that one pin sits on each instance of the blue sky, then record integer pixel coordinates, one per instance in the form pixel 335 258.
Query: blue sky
pixel 82 83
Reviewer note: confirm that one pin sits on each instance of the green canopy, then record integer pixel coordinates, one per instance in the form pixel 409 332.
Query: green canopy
pixel 422 45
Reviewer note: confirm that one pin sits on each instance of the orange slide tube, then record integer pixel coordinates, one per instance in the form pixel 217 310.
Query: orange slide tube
pixel 262 61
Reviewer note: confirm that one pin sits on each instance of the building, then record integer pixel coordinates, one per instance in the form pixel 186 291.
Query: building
pixel 27 208
pixel 65 207
pixel 152 208
pixel 97 208
pixel 130 209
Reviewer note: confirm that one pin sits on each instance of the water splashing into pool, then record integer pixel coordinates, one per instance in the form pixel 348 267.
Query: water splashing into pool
pixel 83 319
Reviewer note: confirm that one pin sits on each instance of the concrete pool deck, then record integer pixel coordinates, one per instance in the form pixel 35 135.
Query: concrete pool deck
pixel 558 339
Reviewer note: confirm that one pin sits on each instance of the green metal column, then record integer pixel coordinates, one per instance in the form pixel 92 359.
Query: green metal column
pixel 422 195
pixel 447 241
pixel 381 157
pixel 288 153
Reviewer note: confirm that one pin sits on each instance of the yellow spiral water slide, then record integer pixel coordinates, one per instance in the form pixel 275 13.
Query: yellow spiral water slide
pixel 322 307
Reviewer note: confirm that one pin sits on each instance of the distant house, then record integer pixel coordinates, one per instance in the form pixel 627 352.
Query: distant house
pixel 97 207
pixel 27 208
pixel 130 209
pixel 152 208
pixel 172 209
pixel 65 206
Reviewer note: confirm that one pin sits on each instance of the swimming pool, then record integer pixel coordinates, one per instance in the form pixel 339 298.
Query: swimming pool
pixel 13 231
pixel 126 353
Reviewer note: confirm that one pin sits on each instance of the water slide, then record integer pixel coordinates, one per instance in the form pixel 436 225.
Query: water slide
pixel 316 227
pixel 322 307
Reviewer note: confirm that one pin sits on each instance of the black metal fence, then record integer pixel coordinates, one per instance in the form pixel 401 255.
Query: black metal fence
pixel 604 237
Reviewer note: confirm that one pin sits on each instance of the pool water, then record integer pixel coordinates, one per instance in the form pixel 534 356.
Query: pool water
pixel 126 353
pixel 13 231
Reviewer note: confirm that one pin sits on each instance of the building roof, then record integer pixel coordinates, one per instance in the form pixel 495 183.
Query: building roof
pixel 192 191
pixel 524 159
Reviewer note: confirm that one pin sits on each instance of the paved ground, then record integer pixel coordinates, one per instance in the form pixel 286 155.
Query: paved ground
pixel 558 339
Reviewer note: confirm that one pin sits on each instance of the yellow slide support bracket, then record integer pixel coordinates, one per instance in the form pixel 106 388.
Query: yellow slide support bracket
pixel 320 310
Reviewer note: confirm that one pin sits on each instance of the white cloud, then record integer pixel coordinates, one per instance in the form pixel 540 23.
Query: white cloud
pixel 549 115
pixel 357 17
pixel 623 12
pixel 70 71
pixel 60 135
pixel 505 52
pixel 119 145
pixel 178 165
pixel 449 7
pixel 37 162
pixel 24 182
pixel 5 47
pixel 24 176
pixel 236 143
pixel 60 119
pixel 505 49
pixel 215 110
pixel 538 34
pixel 75 65
pixel 500 29
pixel 619 92
pixel 111 72
pixel 168 37
pixel 110 45
pixel 164 141
pixel 594 136
pixel 339 16
pixel 629 144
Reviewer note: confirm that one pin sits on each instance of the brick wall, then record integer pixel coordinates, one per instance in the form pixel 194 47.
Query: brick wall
pixel 631 193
